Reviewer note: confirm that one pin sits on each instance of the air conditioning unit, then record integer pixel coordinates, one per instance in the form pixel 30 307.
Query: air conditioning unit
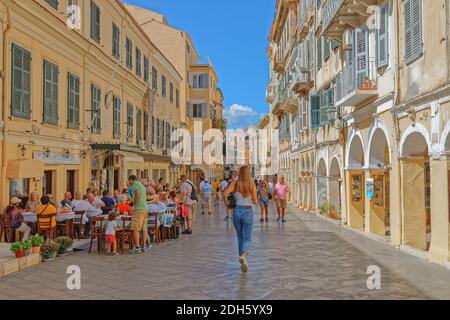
pixel 348 39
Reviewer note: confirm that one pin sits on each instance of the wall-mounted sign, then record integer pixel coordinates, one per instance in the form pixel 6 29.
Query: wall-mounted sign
pixel 57 158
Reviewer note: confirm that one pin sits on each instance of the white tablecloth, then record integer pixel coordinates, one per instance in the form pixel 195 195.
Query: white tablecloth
pixel 31 217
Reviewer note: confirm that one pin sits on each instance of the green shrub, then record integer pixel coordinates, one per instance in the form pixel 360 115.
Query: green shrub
pixel 49 248
pixel 64 242
pixel 16 247
pixel 37 241
pixel 26 244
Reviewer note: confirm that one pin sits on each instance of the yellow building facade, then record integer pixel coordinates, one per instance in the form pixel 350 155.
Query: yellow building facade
pixel 88 99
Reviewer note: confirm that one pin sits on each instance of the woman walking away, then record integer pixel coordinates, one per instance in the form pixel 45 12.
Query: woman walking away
pixel 263 198
pixel 244 190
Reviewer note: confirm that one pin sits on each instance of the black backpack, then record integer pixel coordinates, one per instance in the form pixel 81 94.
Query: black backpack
pixel 193 194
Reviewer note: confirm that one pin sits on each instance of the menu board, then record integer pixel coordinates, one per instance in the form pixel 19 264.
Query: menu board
pixel 357 191
pixel 378 191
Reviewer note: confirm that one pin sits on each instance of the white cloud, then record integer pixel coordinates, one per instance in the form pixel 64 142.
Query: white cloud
pixel 240 116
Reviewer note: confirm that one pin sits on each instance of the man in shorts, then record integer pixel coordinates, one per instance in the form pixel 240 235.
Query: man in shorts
pixel 281 191
pixel 186 189
pixel 206 191
pixel 139 214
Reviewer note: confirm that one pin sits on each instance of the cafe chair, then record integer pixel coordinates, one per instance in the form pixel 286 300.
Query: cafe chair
pixel 98 232
pixel 125 234
pixel 153 229
pixel 78 225
pixel 44 225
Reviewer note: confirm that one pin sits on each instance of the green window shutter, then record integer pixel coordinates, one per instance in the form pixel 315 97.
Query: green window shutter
pixel 171 92
pixel 177 98
pixel 116 41
pixel 311 49
pixel 326 49
pixel 116 117
pixel 146 69
pixel 315 111
pixel 95 22
pixel 73 102
pixel 154 79
pixel 145 126
pixel 334 44
pixel 129 53
pixel 163 86
pixel 50 93
pixel 138 62
pixel 139 125
pixel 21 82
pixel 319 53
pixel 382 36
pixel 53 3
pixel 129 121
pixel 96 109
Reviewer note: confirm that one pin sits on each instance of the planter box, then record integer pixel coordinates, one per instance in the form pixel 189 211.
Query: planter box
pixel 33 259
pixel 9 267
pixel 23 263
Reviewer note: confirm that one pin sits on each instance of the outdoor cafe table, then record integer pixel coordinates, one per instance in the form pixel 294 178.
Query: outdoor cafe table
pixel 31 217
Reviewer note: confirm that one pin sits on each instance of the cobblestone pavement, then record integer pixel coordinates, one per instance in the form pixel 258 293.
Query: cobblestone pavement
pixel 307 258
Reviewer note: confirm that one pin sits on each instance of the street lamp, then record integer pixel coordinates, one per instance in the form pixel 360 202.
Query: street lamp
pixel 23 150
pixel 46 152
pixel 333 118
pixel 67 153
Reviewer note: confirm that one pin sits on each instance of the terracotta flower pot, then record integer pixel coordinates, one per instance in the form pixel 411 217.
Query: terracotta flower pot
pixel 20 254
pixel 35 250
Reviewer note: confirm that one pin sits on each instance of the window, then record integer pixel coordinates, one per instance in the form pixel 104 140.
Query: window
pixel 361 55
pixel 315 111
pixel 138 62
pixel 53 3
pixel 129 53
pixel 138 126
pixel 171 92
pixel 200 81
pixel 198 110
pixel 164 86
pixel 167 136
pixel 95 22
pixel 115 41
pixel 413 29
pixel 95 105
pixel 304 114
pixel 73 102
pixel 177 98
pixel 50 93
pixel 146 126
pixel 319 53
pixel 326 49
pixel 154 79
pixel 21 82
pixel 129 121
pixel 146 66
pixel 116 117
pixel 382 36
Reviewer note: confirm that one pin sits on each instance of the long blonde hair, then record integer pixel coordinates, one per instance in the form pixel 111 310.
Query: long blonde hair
pixel 245 182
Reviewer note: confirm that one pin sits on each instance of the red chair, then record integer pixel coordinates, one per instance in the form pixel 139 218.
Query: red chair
pixel 125 234
pixel 98 232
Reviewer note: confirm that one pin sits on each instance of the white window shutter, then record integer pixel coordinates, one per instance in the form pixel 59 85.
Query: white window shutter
pixel 204 110
pixel 382 36
pixel 361 56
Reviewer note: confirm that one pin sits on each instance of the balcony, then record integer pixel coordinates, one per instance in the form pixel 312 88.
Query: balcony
pixel 301 81
pixel 354 88
pixel 339 15
pixel 279 64
pixel 289 101
pixel 270 93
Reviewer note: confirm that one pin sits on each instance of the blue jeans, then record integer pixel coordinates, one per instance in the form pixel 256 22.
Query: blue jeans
pixel 243 224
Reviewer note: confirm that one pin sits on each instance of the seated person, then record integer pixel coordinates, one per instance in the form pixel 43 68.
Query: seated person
pixel 14 215
pixel 108 201
pixel 46 208
pixel 123 206
pixel 33 202
pixel 66 203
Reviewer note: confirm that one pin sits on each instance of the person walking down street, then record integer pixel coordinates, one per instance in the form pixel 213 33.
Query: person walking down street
pixel 189 199
pixel 206 191
pixel 139 215
pixel 263 198
pixel 216 192
pixel 281 191
pixel 245 193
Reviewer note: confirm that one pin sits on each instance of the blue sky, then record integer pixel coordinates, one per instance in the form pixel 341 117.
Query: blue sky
pixel 233 34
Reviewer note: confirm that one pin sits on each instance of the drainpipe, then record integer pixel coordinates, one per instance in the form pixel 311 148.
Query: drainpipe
pixel 84 113
pixel 5 107
pixel 395 111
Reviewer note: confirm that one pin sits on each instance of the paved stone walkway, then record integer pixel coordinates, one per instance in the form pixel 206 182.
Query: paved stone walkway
pixel 307 258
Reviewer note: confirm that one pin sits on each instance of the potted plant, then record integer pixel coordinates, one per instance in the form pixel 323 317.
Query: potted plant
pixel 64 244
pixel 26 245
pixel 36 243
pixel 49 250
pixel 17 249
pixel 324 209
pixel 331 212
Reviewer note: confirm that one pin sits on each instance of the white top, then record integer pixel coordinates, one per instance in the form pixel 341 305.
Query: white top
pixel 186 188
pixel 110 228
pixel 241 201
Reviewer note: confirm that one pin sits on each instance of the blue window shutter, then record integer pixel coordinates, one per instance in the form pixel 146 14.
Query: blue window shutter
pixel 315 111
pixel 21 82
pixel 50 93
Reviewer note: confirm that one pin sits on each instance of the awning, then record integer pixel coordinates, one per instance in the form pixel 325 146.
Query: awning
pixel 22 169
pixel 129 156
